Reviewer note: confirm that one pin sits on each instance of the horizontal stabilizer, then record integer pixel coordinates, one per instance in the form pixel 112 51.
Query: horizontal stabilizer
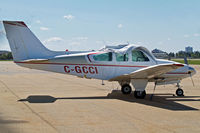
pixel 35 60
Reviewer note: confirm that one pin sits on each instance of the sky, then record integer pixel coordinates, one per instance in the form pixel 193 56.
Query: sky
pixel 169 25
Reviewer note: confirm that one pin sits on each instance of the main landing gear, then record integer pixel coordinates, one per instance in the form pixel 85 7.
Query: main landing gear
pixel 179 91
pixel 126 89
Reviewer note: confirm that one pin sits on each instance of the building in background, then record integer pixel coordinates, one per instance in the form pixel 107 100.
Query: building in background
pixel 4 52
pixel 189 49
pixel 159 54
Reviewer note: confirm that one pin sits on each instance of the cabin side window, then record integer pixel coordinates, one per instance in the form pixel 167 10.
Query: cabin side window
pixel 121 57
pixel 103 57
pixel 139 56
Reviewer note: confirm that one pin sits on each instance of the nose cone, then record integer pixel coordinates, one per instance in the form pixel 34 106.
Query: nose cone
pixel 191 70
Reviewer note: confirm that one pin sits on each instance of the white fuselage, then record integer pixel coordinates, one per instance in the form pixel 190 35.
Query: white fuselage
pixel 104 70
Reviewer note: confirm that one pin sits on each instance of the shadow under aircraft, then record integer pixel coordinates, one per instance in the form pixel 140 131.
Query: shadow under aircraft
pixel 165 101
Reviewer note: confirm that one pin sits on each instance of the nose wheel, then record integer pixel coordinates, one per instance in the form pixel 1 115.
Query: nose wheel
pixel 179 92
pixel 126 89
pixel 140 94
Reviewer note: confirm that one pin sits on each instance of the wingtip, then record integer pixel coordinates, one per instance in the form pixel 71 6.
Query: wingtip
pixel 180 65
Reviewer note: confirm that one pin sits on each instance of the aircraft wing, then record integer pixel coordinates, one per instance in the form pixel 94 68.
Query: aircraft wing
pixel 148 72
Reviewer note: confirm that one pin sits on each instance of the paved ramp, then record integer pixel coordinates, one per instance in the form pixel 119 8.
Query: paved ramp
pixel 43 102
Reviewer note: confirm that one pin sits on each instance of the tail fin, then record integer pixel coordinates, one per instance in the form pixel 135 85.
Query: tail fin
pixel 23 43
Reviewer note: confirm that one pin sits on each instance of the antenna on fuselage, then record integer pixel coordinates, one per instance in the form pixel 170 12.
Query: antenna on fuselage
pixel 104 42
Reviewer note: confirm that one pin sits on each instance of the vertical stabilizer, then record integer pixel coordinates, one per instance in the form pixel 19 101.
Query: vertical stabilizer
pixel 24 44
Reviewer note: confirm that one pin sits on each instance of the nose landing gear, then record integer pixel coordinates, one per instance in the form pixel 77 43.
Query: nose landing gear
pixel 140 94
pixel 179 92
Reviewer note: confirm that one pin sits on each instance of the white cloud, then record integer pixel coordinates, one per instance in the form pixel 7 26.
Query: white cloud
pixel 53 39
pixel 69 17
pixel 119 25
pixel 160 43
pixel 44 28
pixel 38 22
pixel 80 38
pixel 4 46
pixel 196 34
pixel 75 43
pixel 110 42
pixel 99 42
pixel 186 36
pixel 1 34
pixel 168 39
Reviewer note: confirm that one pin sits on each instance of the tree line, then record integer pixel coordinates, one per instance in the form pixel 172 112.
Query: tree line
pixel 6 56
pixel 182 54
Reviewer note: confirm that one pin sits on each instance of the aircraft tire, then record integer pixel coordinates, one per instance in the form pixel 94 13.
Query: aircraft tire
pixel 140 94
pixel 126 89
pixel 179 92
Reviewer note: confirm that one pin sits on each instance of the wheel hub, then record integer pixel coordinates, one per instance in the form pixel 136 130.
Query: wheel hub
pixel 126 89
pixel 179 92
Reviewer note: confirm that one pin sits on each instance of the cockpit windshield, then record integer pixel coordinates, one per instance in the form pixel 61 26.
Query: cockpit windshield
pixel 139 56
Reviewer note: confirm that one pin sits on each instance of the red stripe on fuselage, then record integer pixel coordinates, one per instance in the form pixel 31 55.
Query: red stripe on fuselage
pixel 80 64
pixel 92 65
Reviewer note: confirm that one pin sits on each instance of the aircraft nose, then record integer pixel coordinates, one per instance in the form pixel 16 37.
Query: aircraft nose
pixel 191 70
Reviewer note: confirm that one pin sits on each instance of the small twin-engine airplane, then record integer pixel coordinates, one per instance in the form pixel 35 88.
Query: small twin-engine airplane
pixel 123 63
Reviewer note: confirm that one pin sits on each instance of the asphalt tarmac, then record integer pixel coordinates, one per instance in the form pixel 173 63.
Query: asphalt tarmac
pixel 33 101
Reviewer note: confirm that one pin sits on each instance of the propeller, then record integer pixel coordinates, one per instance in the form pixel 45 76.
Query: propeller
pixel 191 78
pixel 185 60
pixel 190 73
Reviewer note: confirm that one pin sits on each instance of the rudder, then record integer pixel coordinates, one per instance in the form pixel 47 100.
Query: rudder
pixel 23 43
